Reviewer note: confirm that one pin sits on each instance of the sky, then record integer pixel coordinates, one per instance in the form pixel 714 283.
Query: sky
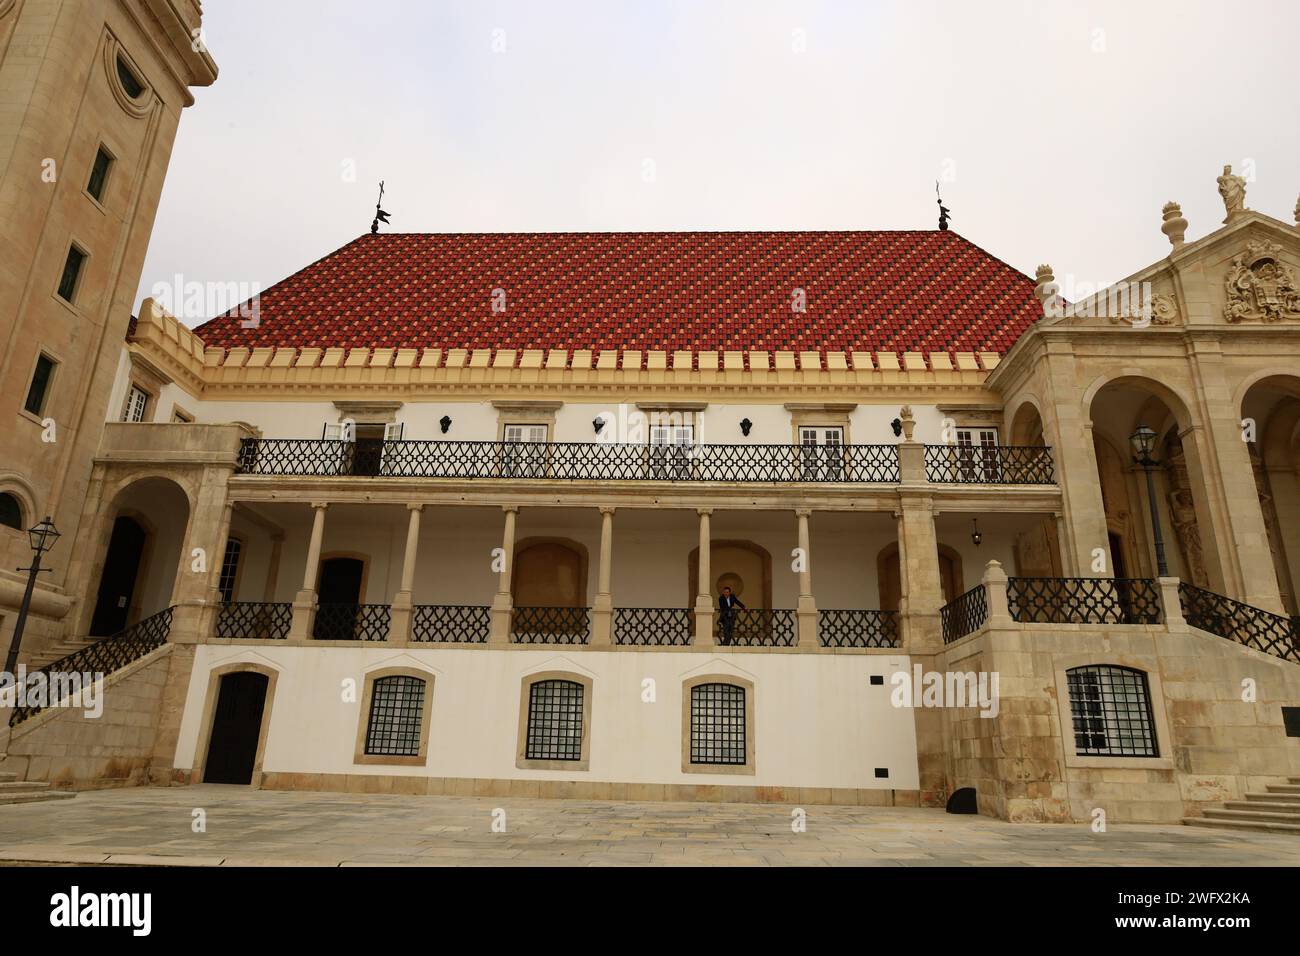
pixel 1057 130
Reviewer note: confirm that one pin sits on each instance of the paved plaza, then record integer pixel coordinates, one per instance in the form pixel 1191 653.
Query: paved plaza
pixel 252 827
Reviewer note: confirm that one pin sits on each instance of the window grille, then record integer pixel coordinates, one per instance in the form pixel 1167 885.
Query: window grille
pixel 396 708
pixel 1110 708
pixel 718 724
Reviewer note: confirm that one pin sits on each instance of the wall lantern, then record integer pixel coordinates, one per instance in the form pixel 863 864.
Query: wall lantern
pixel 1143 442
pixel 745 426
pixel 598 423
pixel 975 535
pixel 897 426
pixel 445 422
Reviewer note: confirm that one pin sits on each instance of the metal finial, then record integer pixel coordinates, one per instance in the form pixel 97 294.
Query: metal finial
pixel 943 210
pixel 380 215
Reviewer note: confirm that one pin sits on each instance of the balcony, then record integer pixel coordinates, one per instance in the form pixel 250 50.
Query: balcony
pixel 989 464
pixel 569 461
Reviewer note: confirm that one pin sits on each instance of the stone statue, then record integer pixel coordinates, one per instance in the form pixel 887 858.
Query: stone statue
pixel 1233 190
pixel 1182 515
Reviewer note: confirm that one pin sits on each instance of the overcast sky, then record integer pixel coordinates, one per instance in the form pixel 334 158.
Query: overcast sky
pixel 1059 129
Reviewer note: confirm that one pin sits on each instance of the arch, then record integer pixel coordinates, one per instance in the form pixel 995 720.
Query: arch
pixel 11 512
pixel 549 572
pixel 1178 403
pixel 12 483
pixel 760 566
pixel 889 575
pixel 1287 380
pixel 204 744
pixel 1025 422
pixel 1271 405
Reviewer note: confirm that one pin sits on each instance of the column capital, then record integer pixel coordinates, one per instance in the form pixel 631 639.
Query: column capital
pixel 608 509
pixel 415 506
pixel 803 512
pixel 510 509
pixel 704 511
pixel 320 505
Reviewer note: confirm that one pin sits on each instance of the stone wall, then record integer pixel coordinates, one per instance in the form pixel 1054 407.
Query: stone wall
pixel 127 745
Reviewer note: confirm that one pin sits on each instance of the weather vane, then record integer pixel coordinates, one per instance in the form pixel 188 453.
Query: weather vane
pixel 380 215
pixel 943 210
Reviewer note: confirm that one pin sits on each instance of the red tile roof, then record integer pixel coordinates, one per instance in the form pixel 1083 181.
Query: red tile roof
pixel 865 291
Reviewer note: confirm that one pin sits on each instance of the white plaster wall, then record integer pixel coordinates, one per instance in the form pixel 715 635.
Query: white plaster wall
pixel 818 720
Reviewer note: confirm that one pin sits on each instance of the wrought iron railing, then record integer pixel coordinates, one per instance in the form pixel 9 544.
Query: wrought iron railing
pixel 989 464
pixel 352 622
pixel 857 628
pixel 964 615
pixel 451 623
pixel 96 660
pixel 1084 600
pixel 1240 622
pixel 254 620
pixel 570 461
pixel 755 627
pixel 550 625
pixel 653 625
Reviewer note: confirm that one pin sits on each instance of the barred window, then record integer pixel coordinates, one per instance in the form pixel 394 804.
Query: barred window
pixel 554 720
pixel 229 570
pixel 396 706
pixel 1110 708
pixel 718 724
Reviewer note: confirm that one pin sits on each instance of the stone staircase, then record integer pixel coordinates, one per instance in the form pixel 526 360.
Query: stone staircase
pixel 13 790
pixel 57 651
pixel 1276 810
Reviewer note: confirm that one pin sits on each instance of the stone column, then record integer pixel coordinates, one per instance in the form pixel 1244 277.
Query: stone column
pixel 503 603
pixel 806 613
pixel 704 597
pixel 304 603
pixel 399 631
pixel 918 572
pixel 602 624
pixel 194 593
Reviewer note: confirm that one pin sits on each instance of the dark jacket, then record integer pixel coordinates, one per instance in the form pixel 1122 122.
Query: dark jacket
pixel 735 602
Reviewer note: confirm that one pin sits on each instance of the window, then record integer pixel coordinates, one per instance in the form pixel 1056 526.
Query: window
pixel 71 273
pixel 99 173
pixel 396 716
pixel 39 389
pixel 11 512
pixel 718 729
pixel 137 403
pixel 181 417
pixel 130 82
pixel 523 454
pixel 555 712
pixel 671 447
pixel 1110 709
pixel 822 452
pixel 977 454
pixel 229 570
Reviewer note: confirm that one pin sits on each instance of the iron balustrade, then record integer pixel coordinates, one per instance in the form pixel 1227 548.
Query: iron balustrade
pixel 352 622
pixel 451 623
pixel 570 461
pixel 755 627
pixel 99 659
pixel 1237 621
pixel 254 620
pixel 989 464
pixel 857 628
pixel 661 626
pixel 550 625
pixel 964 615
pixel 1084 600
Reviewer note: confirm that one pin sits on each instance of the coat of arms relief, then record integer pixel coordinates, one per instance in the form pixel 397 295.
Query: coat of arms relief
pixel 1260 286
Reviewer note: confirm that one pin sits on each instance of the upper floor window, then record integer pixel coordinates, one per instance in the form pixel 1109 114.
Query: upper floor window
pixel 99 173
pixel 524 452
pixel 39 389
pixel 1110 708
pixel 671 447
pixel 137 404
pixel 821 449
pixel 230 569
pixel 555 712
pixel 396 717
pixel 130 82
pixel 977 454
pixel 71 277
pixel 11 511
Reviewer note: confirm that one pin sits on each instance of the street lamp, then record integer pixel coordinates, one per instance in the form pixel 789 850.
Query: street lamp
pixel 1144 443
pixel 42 537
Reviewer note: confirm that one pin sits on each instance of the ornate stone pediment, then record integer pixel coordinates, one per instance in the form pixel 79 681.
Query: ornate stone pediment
pixel 1158 309
pixel 1260 286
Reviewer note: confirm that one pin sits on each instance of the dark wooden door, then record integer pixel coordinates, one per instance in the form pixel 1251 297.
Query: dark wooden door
pixel 236 727
pixel 117 581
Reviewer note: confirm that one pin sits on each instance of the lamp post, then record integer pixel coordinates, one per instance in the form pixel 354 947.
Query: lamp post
pixel 1144 442
pixel 42 537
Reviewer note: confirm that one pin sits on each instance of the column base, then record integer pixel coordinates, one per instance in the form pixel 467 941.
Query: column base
pixel 501 613
pixel 401 615
pixel 704 623
pixel 602 622
pixel 304 617
pixel 806 624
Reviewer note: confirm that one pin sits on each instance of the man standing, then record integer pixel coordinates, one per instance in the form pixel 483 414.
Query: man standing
pixel 727 604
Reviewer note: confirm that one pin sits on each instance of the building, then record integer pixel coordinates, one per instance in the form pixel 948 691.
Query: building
pixel 90 98
pixel 453 514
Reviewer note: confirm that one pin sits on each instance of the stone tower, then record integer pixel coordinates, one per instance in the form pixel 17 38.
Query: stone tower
pixel 91 93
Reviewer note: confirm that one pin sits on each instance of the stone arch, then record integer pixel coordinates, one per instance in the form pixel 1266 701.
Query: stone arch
pixel 1270 407
pixel 745 570
pixel 1025 424
pixel 549 572
pixel 1178 403
pixel 889 575
pixel 11 482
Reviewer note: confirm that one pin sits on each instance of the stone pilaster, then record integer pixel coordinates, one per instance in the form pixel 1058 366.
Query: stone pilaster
pixel 503 602
pixel 602 616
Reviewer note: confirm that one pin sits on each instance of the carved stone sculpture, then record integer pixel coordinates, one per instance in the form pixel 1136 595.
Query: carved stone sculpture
pixel 1259 285
pixel 1233 190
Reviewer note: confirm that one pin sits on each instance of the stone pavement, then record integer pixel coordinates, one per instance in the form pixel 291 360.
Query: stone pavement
pixel 259 827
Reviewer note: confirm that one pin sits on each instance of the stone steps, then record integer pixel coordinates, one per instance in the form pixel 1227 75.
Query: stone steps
pixel 56 652
pixel 1275 809
pixel 40 796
